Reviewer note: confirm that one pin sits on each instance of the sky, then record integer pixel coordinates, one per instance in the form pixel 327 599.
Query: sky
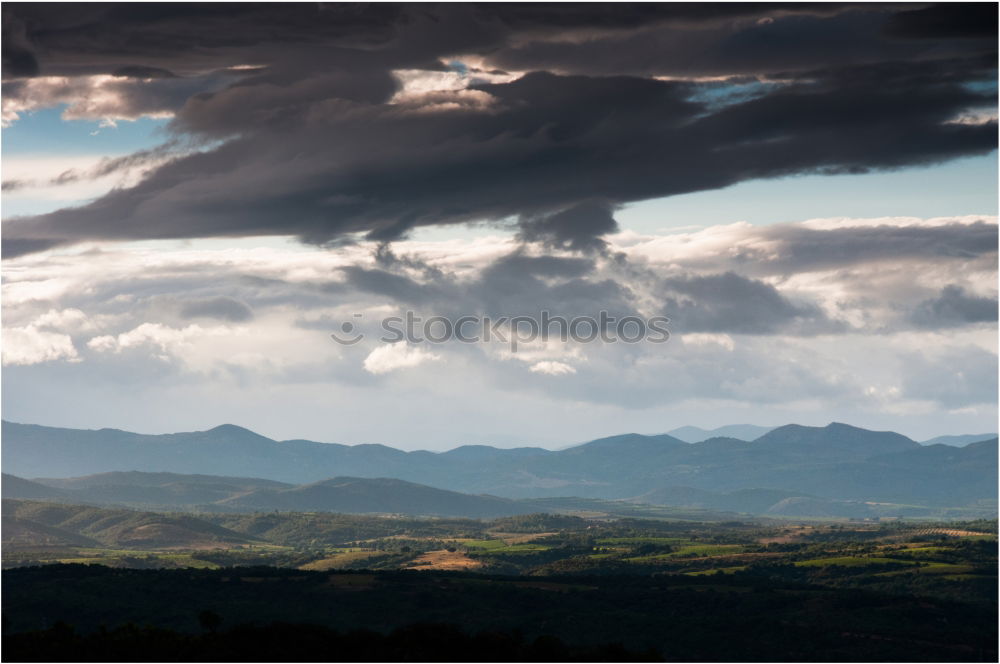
pixel 196 196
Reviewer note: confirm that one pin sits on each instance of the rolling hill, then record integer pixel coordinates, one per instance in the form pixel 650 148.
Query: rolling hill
pixel 349 495
pixel 30 523
pixel 150 489
pixel 380 495
pixel 18 487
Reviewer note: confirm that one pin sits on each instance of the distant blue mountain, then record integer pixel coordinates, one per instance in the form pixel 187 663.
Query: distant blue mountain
pixel 959 441
pixel 836 462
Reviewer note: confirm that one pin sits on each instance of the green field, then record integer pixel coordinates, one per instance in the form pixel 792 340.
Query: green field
pixel 691 551
pixel 716 570
pixel 707 550
pixel 642 540
pixel 482 544
pixel 946 570
pixel 496 547
pixel 852 561
pixel 120 558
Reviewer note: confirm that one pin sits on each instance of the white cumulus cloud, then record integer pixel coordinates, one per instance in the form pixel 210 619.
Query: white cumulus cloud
pixel 552 368
pixel 391 357
pixel 30 345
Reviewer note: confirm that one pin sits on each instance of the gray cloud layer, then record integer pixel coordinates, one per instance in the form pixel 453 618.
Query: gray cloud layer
pixel 317 146
pixel 955 307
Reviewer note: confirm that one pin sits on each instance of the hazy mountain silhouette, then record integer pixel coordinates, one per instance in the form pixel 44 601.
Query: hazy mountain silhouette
pixel 960 440
pixel 836 462
pixel 834 441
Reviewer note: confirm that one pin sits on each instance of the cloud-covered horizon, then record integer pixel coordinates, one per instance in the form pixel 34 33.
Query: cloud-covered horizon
pixel 775 319
pixel 334 123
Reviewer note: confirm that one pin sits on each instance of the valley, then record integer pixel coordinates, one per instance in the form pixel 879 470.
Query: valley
pixel 853 544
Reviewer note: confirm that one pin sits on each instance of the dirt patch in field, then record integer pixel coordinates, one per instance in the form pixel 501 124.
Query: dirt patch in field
pixel 338 561
pixel 444 560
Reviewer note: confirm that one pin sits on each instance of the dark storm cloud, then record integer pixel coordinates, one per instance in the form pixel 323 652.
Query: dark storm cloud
pixel 577 228
pixel 734 304
pixel 949 20
pixel 395 286
pixel 955 307
pixel 138 71
pixel 186 38
pixel 792 248
pixel 522 285
pixel 315 151
pixel 766 41
pixel 18 59
pixel 513 285
pixel 519 265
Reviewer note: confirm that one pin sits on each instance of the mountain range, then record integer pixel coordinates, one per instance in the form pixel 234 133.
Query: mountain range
pixel 837 462
pixel 206 494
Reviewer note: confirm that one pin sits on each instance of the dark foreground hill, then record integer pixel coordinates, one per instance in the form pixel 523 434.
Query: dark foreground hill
pixel 837 462
pixel 205 615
